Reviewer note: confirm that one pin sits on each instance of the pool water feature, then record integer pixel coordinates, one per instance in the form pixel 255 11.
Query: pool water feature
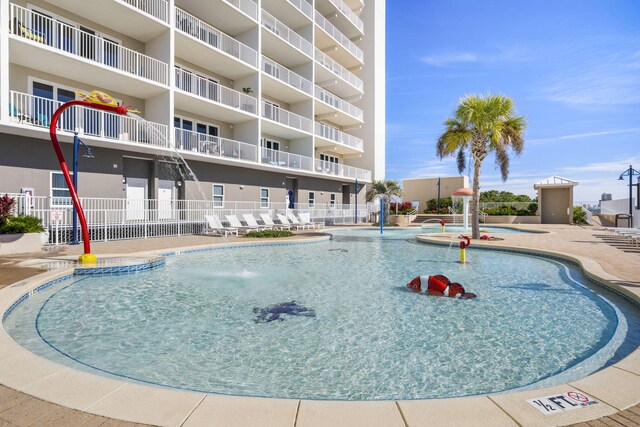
pixel 192 325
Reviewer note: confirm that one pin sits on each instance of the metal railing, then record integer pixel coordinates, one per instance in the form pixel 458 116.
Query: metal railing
pixel 272 112
pixel 334 33
pixel 350 14
pixel 37 111
pixel 303 6
pixel 213 91
pixel 336 135
pixel 339 70
pixel 42 29
pixel 286 33
pixel 282 73
pixel 214 146
pixel 331 168
pixel 285 159
pixel 156 8
pixel 121 219
pixel 247 6
pixel 215 38
pixel 338 103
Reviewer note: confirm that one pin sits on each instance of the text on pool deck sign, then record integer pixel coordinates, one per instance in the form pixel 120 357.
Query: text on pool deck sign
pixel 561 402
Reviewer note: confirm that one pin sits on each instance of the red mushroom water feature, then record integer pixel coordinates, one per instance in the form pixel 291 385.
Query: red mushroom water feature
pixel 465 194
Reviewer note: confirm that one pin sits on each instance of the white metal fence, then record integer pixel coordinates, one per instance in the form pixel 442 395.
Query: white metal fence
pixel 303 6
pixel 334 33
pixel 339 103
pixel 277 114
pixel 350 14
pixel 121 219
pixel 204 32
pixel 43 29
pixel 339 70
pixel 282 73
pixel 247 6
pixel 213 91
pixel 215 146
pixel 286 33
pixel 156 8
pixel 37 111
pixel 329 132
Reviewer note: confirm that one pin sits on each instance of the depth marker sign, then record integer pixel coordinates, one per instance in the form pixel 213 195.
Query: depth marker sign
pixel 561 402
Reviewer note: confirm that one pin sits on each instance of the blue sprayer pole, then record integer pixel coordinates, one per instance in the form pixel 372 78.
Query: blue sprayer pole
pixel 381 215
pixel 76 146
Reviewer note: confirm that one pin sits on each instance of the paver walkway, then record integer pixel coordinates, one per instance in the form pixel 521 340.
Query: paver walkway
pixel 18 409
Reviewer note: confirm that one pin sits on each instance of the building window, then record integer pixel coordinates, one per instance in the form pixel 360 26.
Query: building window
pixel 312 199
pixel 60 194
pixel 218 195
pixel 264 197
pixel 332 202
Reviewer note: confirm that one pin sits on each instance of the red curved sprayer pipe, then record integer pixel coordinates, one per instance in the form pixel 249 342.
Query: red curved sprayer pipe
pixel 63 164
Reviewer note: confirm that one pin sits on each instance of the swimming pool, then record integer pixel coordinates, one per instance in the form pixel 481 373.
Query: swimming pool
pixel 431 228
pixel 191 325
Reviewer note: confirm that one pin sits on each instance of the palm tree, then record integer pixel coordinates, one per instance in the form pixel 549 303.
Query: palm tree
pixel 481 125
pixel 386 189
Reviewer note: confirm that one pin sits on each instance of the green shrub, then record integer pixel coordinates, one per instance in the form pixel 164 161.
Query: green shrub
pixel 386 224
pixel 579 215
pixel 22 224
pixel 269 233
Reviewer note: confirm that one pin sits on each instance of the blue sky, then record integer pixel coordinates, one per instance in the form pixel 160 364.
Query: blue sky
pixel 571 66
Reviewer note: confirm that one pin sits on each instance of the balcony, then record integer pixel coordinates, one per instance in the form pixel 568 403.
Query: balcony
pixel 214 146
pixel 283 44
pixel 296 126
pixel 331 39
pixel 32 110
pixel 345 18
pixel 285 84
pixel 213 100
pixel 94 60
pixel 283 159
pixel 347 84
pixel 196 40
pixel 293 13
pixel 341 112
pixel 233 17
pixel 142 20
pixel 337 140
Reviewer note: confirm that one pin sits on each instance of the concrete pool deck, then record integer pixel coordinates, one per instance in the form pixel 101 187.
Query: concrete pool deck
pixel 24 375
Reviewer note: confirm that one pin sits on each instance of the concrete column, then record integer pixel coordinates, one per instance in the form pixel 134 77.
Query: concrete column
pixel 4 60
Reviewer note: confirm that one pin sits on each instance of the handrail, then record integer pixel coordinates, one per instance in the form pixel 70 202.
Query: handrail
pixel 303 6
pixel 213 91
pixel 214 146
pixel 247 6
pixel 334 33
pixel 156 8
pixel 349 14
pixel 37 111
pixel 329 132
pixel 271 112
pixel 284 74
pixel 338 103
pixel 333 66
pixel 39 28
pixel 287 34
pixel 215 38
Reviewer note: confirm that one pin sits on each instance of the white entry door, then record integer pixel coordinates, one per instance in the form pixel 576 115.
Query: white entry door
pixel 166 191
pixel 136 197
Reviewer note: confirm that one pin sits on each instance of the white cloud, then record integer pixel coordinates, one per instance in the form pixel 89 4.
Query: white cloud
pixel 583 135
pixel 500 55
pixel 448 59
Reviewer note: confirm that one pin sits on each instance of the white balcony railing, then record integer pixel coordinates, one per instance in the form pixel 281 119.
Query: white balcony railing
pixel 336 135
pixel 303 6
pixel 156 8
pixel 343 40
pixel 215 38
pixel 42 29
pixel 277 114
pixel 350 14
pixel 282 73
pixel 213 91
pixel 339 70
pixel 249 7
pixel 37 111
pixel 296 161
pixel 214 146
pixel 339 169
pixel 339 103
pixel 286 34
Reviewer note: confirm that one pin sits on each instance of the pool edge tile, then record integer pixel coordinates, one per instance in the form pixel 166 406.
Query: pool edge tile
pixel 326 413
pixel 469 411
pixel 616 387
pixel 243 411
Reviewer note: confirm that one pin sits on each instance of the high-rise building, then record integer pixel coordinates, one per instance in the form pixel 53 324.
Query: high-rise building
pixel 262 98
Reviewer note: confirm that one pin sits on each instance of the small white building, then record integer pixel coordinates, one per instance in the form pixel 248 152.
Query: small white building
pixel 555 200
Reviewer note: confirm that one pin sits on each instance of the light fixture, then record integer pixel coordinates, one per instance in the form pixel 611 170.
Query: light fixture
pixel 179 183
pixel 242 187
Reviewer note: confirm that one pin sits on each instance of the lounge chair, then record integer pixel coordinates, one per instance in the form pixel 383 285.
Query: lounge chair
pixel 214 226
pixel 235 223
pixel 283 219
pixel 269 221
pixel 251 221
pixel 295 221
pixel 305 218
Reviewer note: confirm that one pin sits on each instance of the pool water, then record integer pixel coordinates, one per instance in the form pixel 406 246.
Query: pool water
pixel 431 228
pixel 192 324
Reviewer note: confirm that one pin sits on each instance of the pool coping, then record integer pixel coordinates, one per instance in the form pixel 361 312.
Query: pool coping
pixel 617 387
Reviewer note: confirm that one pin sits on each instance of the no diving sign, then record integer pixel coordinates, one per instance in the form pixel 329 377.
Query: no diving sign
pixel 561 402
